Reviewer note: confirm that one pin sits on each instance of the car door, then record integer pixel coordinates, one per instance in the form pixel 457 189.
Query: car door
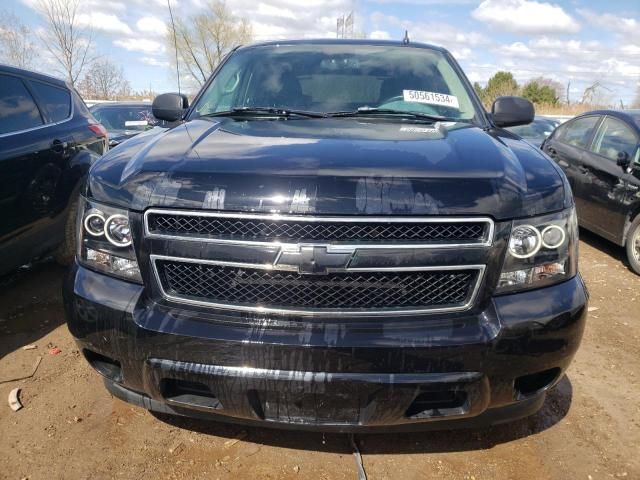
pixel 27 150
pixel 607 183
pixel 567 146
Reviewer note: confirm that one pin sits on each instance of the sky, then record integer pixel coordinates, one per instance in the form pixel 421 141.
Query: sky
pixel 576 41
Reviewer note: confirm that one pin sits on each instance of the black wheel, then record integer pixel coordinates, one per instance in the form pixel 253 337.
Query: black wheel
pixel 67 250
pixel 633 245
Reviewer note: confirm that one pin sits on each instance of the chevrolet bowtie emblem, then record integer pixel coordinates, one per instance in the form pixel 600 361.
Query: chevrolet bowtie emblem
pixel 313 259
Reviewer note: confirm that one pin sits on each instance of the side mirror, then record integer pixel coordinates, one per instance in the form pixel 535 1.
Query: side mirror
pixel 169 106
pixel 623 160
pixel 512 111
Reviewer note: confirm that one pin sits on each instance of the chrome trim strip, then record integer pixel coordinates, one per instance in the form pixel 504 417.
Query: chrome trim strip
pixel 487 241
pixel 321 312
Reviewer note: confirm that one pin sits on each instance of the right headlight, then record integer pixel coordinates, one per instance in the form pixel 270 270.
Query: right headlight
pixel 541 251
pixel 104 240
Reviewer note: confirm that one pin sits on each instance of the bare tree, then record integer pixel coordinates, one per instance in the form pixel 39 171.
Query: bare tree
pixel 65 39
pixel 204 39
pixel 16 42
pixel 104 81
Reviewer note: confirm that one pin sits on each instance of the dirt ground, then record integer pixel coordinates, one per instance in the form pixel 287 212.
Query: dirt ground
pixel 71 428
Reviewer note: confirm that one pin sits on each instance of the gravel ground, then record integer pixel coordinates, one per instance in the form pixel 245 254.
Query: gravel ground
pixel 71 428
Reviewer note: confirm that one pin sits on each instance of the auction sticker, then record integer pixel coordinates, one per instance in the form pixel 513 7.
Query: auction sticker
pixel 431 98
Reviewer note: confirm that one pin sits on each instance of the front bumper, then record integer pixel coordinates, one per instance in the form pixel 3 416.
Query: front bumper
pixel 469 370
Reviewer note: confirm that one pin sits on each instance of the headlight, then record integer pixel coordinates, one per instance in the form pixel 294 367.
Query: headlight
pixel 541 251
pixel 104 240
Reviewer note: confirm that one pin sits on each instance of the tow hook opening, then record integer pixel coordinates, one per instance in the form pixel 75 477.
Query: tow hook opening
pixel 188 393
pixel 529 385
pixel 105 366
pixel 437 403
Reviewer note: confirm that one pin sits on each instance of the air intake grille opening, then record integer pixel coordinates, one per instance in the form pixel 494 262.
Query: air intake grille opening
pixel 344 290
pixel 436 403
pixel 305 230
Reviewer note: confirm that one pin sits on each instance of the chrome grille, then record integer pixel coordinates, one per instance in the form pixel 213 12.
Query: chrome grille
pixel 344 291
pixel 290 228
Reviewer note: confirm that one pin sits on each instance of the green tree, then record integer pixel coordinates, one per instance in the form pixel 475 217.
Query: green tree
pixel 501 84
pixel 539 94
pixel 479 90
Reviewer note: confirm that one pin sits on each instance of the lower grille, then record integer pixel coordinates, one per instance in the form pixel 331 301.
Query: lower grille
pixel 251 287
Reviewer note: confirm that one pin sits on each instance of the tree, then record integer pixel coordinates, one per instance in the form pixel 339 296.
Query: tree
pixel 16 42
pixel 69 44
pixel 479 90
pixel 104 81
pixel 204 39
pixel 501 84
pixel 539 94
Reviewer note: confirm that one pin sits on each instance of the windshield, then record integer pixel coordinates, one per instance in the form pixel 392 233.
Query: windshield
pixel 137 118
pixel 334 78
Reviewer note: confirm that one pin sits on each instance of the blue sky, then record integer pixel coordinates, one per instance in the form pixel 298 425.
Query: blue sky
pixel 577 41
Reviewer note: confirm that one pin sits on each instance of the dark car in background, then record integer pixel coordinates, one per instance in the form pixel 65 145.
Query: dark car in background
pixel 124 120
pixel 599 152
pixel 48 140
pixel 337 236
pixel 537 131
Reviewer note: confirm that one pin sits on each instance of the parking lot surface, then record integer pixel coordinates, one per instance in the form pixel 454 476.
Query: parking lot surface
pixel 70 427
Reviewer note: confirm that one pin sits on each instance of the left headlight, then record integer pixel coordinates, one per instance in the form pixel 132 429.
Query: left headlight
pixel 541 251
pixel 105 243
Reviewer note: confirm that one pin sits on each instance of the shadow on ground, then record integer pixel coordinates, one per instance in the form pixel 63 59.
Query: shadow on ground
pixel 616 252
pixel 30 305
pixel 552 412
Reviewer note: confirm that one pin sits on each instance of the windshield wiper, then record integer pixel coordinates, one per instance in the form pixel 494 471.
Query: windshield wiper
pixel 368 111
pixel 267 111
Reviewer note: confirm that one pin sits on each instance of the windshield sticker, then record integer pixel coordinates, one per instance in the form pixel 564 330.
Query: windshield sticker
pixel 419 130
pixel 431 98
pixel 136 123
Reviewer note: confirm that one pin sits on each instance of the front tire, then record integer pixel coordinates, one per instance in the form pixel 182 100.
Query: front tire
pixel 633 245
pixel 67 250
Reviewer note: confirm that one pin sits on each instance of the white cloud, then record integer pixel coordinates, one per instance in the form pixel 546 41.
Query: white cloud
pixel 517 49
pixel 103 21
pixel 379 35
pixel 152 25
pixel 143 45
pixel 525 16
pixel 154 62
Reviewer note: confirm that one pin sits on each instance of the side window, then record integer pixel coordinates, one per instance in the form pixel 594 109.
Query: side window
pixel 614 137
pixel 18 111
pixel 55 101
pixel 578 132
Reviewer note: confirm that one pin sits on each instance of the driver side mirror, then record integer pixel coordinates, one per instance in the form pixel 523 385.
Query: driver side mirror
pixel 169 106
pixel 623 161
pixel 512 111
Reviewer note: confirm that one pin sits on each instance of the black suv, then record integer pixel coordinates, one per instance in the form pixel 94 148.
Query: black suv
pixel 336 237
pixel 600 153
pixel 48 140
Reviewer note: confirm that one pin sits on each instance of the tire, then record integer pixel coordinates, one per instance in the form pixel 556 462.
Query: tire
pixel 66 252
pixel 633 245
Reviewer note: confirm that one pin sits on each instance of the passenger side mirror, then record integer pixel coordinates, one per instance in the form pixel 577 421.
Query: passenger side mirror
pixel 169 106
pixel 623 161
pixel 512 111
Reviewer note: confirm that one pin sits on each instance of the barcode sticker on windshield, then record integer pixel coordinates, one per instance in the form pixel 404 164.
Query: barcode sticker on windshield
pixel 136 123
pixel 431 98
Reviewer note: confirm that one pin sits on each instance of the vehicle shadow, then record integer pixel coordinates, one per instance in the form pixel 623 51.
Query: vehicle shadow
pixel 30 305
pixel 605 246
pixel 552 412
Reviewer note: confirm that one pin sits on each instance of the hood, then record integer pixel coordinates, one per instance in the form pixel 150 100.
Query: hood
pixel 331 166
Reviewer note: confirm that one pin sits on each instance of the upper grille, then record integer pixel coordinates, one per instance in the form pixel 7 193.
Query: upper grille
pixel 291 228
pixel 255 288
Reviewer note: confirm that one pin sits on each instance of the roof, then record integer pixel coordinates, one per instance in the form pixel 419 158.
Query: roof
pixel 340 41
pixel 33 75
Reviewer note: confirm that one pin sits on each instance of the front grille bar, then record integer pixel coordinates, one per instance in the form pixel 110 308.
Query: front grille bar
pixel 469 300
pixel 377 232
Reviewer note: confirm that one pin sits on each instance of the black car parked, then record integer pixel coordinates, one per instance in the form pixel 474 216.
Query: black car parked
pixel 600 153
pixel 124 120
pixel 48 140
pixel 336 237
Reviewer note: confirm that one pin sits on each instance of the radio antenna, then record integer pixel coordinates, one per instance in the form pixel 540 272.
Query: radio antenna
pixel 175 44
